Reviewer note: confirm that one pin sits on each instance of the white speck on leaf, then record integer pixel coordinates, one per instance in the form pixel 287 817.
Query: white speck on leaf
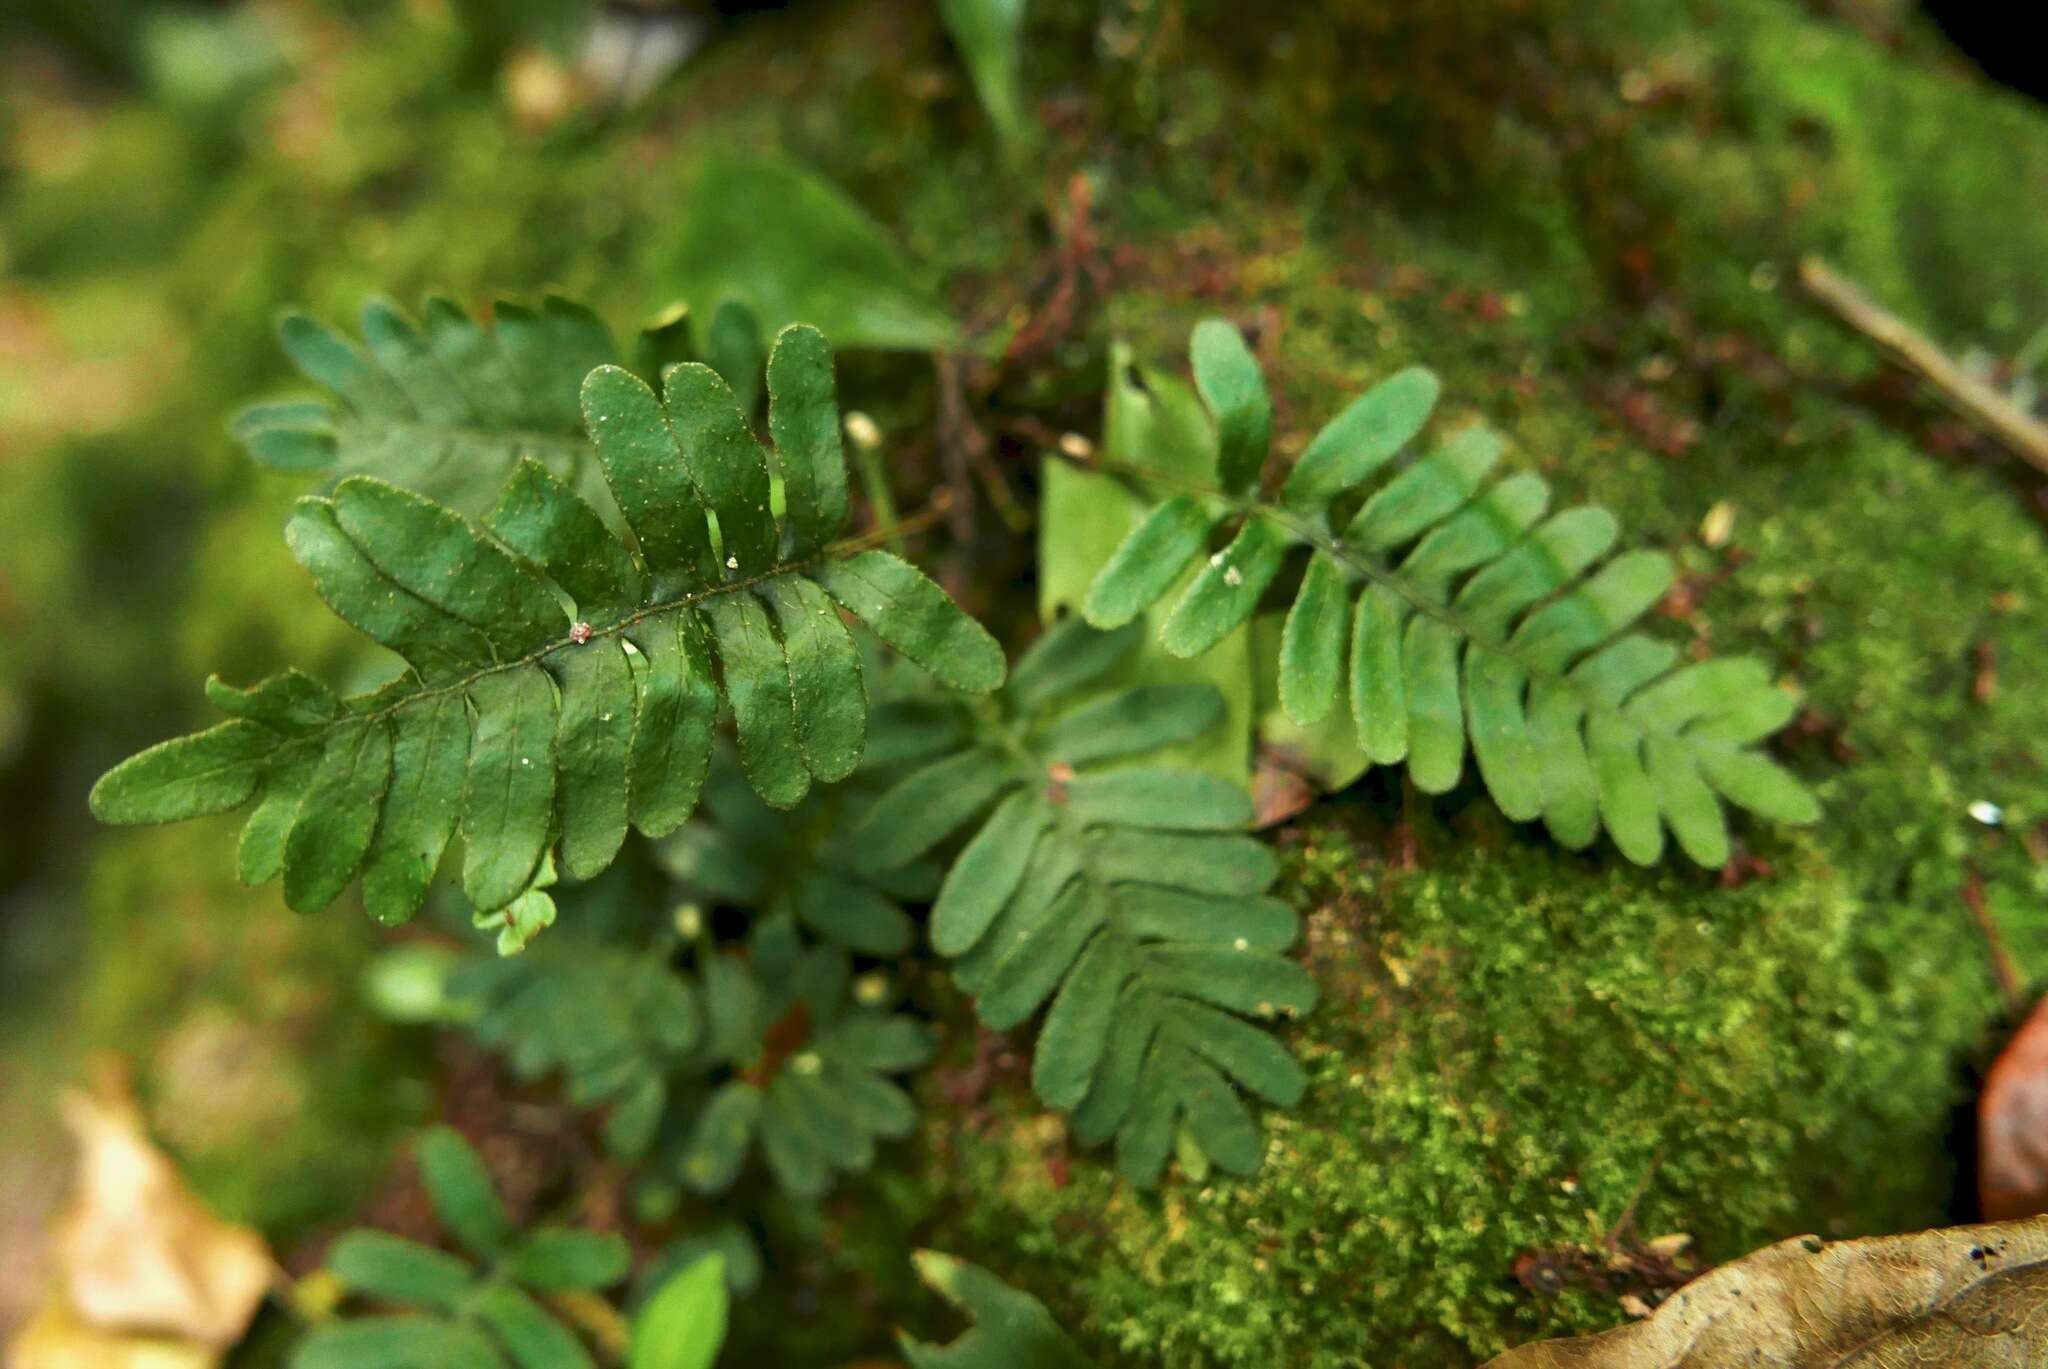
pixel 1986 812
pixel 1233 577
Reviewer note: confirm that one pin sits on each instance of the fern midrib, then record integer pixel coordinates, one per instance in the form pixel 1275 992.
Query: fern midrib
pixel 1317 538
pixel 835 550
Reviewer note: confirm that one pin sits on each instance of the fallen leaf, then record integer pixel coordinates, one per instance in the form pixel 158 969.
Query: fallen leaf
pixel 1969 1297
pixel 54 1338
pixel 2012 1125
pixel 136 1252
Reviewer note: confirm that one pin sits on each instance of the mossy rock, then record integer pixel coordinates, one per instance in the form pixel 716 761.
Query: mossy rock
pixel 1585 214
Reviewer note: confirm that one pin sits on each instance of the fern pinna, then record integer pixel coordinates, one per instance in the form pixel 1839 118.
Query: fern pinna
pixel 1461 615
pixel 561 681
pixel 1129 898
pixel 484 1312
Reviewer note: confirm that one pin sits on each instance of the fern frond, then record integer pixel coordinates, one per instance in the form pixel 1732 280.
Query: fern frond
pixel 613 1022
pixel 806 1057
pixel 1129 899
pixel 447 406
pixel 533 723
pixel 484 1311
pixel 1463 618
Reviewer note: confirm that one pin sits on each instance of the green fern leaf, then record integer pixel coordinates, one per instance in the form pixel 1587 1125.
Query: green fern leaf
pixel 1011 1330
pixel 1465 618
pixel 537 729
pixel 1124 901
pixel 478 1319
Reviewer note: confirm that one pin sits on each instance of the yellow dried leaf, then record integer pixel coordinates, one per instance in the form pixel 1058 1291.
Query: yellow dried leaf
pixel 136 1252
pixel 1969 1297
pixel 54 1338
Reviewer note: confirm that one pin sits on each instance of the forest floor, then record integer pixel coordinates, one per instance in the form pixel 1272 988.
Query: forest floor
pixel 1585 214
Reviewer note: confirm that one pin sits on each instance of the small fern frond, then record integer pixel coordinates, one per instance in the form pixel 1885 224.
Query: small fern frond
pixel 1011 1330
pixel 562 684
pixel 612 1022
pixel 1129 899
pixel 1463 618
pixel 490 1309
pixel 806 1056
pixel 703 1053
pixel 447 406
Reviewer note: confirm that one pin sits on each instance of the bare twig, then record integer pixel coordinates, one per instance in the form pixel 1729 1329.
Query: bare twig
pixel 1979 403
pixel 2003 970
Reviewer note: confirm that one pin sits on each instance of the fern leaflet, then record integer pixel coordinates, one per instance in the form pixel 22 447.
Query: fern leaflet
pixel 464 1315
pixel 532 724
pixel 1462 617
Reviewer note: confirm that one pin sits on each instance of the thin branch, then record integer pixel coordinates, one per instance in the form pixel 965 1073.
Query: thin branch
pixel 1975 400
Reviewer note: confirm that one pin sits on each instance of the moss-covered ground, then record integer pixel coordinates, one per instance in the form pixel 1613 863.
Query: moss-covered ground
pixel 1585 215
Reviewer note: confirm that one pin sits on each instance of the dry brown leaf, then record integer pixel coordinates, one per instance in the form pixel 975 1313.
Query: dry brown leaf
pixel 2012 1125
pixel 1971 1297
pixel 136 1252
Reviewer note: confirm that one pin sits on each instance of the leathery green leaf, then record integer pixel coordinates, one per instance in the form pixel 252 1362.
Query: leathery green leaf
pixel 683 1325
pixel 1148 563
pixel 436 555
pixel 433 641
pixel 536 1340
pixel 464 1198
pixel 259 855
pixel 1436 723
pixel 1628 805
pixel 1571 797
pixel 1176 800
pixel 1312 643
pixel 1011 1329
pixel 803 420
pixel 644 467
pixel 1426 492
pixel 338 815
pixel 389 1267
pixel 1132 721
pixel 1689 806
pixel 1228 589
pixel 756 676
pixel 1077 1027
pixel 678 708
pixel 725 463
pixel 508 800
pixel 429 754
pixel 826 689
pixel 986 872
pixel 1500 732
pixel 1361 439
pixel 912 614
pixel 926 806
pixel 1066 656
pixel 1208 864
pixel 594 748
pixel 550 525
pixel 186 777
pixel 1228 378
